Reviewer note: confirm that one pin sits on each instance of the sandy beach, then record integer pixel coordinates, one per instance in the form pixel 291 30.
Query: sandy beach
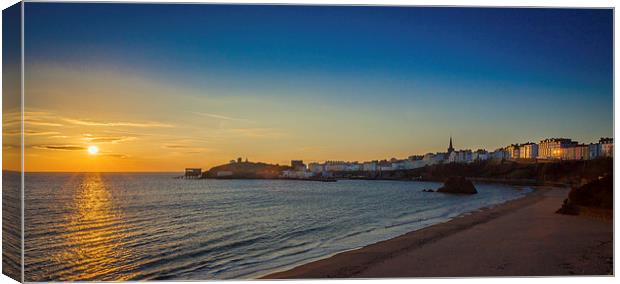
pixel 522 237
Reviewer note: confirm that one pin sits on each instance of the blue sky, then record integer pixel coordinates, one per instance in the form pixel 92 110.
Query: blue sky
pixel 401 75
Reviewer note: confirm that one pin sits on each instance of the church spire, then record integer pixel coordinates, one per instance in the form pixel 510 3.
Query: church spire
pixel 450 149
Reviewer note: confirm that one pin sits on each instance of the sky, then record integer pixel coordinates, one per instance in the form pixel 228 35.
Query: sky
pixel 164 87
pixel 11 92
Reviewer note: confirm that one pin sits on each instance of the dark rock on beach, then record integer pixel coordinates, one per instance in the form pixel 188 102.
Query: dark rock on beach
pixel 598 193
pixel 595 196
pixel 458 185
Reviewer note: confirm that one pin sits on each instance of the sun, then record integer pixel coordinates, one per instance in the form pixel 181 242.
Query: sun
pixel 92 150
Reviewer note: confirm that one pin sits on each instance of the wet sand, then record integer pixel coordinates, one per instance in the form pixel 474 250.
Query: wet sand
pixel 522 237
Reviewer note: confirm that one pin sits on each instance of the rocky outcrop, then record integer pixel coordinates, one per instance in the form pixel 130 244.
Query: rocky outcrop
pixel 458 185
pixel 597 194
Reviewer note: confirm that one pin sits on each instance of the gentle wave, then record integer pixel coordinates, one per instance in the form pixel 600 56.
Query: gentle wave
pixel 88 226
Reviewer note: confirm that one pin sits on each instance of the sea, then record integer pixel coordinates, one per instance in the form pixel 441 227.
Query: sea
pixel 141 226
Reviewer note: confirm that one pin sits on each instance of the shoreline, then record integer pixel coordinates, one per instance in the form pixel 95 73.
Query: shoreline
pixel 510 182
pixel 452 249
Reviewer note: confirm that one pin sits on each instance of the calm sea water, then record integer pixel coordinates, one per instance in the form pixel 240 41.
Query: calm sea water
pixel 88 226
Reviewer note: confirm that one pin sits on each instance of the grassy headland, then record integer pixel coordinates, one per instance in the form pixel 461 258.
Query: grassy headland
pixel 245 170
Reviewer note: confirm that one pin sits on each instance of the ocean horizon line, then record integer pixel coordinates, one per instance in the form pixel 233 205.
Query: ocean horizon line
pixel 94 172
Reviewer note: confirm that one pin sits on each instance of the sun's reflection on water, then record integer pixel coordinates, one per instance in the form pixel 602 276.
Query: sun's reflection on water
pixel 94 236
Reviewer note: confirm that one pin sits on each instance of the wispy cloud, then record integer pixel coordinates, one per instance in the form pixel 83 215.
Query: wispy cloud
pixel 119 156
pixel 173 146
pixel 30 122
pixel 49 119
pixel 117 123
pixel 41 123
pixel 70 147
pixel 223 117
pixel 107 139
pixel 60 147
pixel 186 149
pixel 31 118
pixel 30 133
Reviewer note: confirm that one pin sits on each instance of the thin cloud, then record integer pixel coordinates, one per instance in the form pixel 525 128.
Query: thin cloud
pixel 31 119
pixel 107 139
pixel 118 123
pixel 49 119
pixel 28 114
pixel 119 156
pixel 222 117
pixel 169 146
pixel 40 133
pixel 31 133
pixel 60 147
pixel 70 147
pixel 42 123
pixel 186 149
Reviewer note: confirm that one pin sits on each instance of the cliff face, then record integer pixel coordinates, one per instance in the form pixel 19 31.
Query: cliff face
pixel 245 170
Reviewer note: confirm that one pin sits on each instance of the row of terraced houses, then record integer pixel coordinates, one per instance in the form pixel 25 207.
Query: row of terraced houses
pixel 547 149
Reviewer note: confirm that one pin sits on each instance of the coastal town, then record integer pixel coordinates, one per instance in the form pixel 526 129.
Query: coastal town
pixel 546 150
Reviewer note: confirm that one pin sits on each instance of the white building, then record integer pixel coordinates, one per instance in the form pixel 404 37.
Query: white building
pixel 552 148
pixel 398 165
pixel 385 166
pixel 607 147
pixel 512 151
pixel 460 156
pixel 369 166
pixel 594 150
pixel 480 155
pixel 315 167
pixel 418 164
pixel 452 157
pixel 528 151
pixel 432 159
pixel 498 154
pixel 410 164
pixel 297 174
pixel 352 167
pixel 335 166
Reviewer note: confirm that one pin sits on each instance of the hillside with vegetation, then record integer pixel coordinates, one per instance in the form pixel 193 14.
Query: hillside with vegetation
pixel 245 170
pixel 565 172
pixel 509 171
